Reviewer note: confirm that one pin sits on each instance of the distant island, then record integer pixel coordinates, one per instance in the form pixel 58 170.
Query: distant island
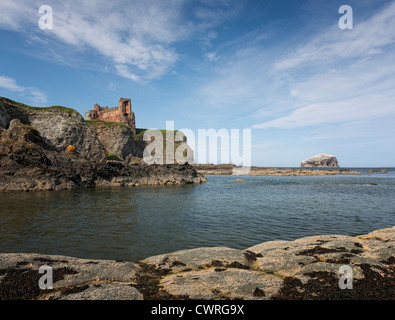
pixel 228 169
pixel 320 161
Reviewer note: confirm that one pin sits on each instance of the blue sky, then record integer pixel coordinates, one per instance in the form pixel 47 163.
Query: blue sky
pixel 282 68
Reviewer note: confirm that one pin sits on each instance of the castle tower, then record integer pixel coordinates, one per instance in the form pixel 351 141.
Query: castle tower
pixel 125 113
pixel 122 113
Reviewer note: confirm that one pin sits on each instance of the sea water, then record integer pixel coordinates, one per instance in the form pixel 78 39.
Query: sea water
pixel 132 223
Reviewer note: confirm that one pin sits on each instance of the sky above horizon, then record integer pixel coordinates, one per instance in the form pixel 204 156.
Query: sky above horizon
pixel 282 68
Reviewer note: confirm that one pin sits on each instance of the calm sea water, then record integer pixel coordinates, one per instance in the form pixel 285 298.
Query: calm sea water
pixel 135 223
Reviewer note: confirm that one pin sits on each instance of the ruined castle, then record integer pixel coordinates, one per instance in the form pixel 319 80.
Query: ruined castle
pixel 122 113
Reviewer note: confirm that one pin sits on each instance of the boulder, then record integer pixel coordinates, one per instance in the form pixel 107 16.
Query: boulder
pixel 320 161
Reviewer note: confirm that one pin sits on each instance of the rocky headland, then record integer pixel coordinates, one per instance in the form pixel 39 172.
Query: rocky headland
pixel 229 169
pixel 303 269
pixel 55 148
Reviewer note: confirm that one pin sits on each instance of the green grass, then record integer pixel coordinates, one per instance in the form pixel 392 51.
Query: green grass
pixel 109 124
pixel 114 156
pixel 140 132
pixel 27 107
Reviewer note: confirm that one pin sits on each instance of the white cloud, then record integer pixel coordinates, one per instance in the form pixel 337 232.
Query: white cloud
pixel 341 76
pixel 367 38
pixel 36 96
pixel 14 14
pixel 334 112
pixel 136 35
pixel 124 72
pixel 9 84
pixel 211 56
pixel 33 94
pixel 206 41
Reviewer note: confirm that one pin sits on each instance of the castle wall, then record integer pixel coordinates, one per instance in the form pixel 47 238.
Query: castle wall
pixel 122 113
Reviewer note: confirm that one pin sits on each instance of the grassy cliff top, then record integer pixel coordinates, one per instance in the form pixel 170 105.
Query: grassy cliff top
pixel 109 124
pixel 140 132
pixel 27 107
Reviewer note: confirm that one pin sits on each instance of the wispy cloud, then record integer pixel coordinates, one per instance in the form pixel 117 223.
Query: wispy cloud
pixel 334 112
pixel 34 95
pixel 211 56
pixel 136 36
pixel 367 38
pixel 341 76
pixel 9 84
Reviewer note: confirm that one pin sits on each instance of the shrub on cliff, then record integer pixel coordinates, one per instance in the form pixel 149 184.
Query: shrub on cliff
pixel 70 149
pixel 114 156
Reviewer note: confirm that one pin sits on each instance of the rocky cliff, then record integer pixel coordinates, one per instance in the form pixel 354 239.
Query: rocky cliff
pixel 304 269
pixel 116 138
pixel 320 161
pixel 58 126
pixel 54 148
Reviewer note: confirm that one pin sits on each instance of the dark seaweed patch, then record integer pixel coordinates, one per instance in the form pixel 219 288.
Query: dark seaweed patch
pixel 258 292
pixel 216 263
pixel 347 255
pixel 22 284
pixel 251 256
pixel 340 261
pixel 389 261
pixel 177 263
pixel 164 261
pixel 323 285
pixel 49 260
pixel 238 265
pixel 147 283
pixel 320 250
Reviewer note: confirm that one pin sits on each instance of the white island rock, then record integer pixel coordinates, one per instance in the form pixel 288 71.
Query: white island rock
pixel 320 161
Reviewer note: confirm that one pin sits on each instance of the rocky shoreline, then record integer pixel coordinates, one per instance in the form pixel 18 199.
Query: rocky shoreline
pixel 303 269
pixel 55 149
pixel 27 163
pixel 229 169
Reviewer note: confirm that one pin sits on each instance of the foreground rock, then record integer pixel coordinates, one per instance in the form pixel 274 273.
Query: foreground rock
pixel 73 278
pixel 229 169
pixel 320 161
pixel 307 268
